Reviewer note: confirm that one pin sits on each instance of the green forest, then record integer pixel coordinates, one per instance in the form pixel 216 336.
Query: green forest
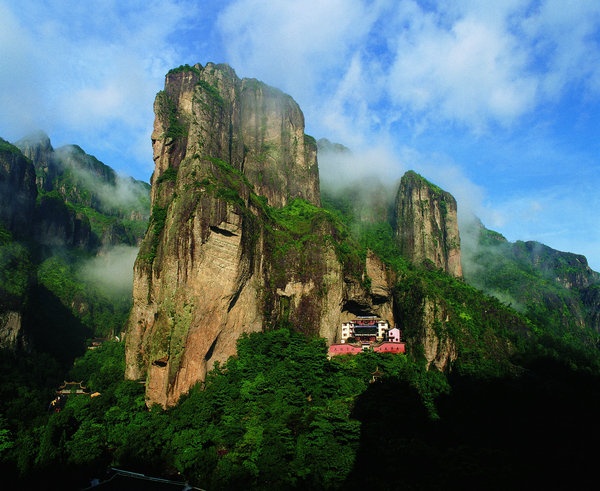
pixel 281 415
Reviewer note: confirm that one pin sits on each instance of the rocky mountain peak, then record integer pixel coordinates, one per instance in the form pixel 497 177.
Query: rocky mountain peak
pixel 257 129
pixel 427 224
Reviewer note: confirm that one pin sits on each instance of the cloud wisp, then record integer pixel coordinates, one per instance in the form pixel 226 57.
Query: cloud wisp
pixel 111 270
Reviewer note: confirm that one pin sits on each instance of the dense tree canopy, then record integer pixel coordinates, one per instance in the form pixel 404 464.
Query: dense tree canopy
pixel 281 415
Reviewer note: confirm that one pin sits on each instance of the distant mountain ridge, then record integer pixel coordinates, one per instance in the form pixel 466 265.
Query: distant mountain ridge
pixel 82 181
pixel 554 288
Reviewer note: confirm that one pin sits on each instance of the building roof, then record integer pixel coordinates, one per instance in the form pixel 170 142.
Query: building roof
pixel 72 387
pixel 343 349
pixel 351 349
pixel 389 347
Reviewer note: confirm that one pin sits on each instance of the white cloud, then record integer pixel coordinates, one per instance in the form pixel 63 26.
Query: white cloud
pixel 300 47
pixel 112 270
pixel 477 64
pixel 469 70
pixel 19 76
pixel 564 39
pixel 89 68
pixel 337 170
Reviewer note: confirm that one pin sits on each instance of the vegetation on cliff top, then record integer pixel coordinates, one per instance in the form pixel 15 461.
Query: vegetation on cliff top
pixel 8 147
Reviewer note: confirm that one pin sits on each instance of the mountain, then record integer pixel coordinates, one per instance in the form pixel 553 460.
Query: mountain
pixel 244 271
pixel 84 202
pixel 556 290
pixel 64 217
pixel 235 245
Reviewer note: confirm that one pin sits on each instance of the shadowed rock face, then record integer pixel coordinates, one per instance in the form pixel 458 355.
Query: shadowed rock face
pixel 17 204
pixel 68 176
pixel 427 224
pixel 17 190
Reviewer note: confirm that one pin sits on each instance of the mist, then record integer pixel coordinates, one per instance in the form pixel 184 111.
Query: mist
pixel 111 270
pixel 368 180
pixel 114 191
pixel 372 179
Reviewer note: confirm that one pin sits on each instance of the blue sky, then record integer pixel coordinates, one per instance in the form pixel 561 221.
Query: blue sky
pixel 496 102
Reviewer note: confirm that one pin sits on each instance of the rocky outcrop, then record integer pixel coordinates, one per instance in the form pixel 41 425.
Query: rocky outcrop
pixel 591 300
pixel 39 150
pixel 58 225
pixel 218 259
pixel 438 347
pixel 427 224
pixel 256 129
pixel 11 330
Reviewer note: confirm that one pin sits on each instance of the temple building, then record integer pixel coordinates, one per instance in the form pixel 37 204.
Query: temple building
pixel 366 329
pixel 367 333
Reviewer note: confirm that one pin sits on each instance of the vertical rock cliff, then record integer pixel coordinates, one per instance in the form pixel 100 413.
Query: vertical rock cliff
pixel 257 129
pixel 229 249
pixel 427 224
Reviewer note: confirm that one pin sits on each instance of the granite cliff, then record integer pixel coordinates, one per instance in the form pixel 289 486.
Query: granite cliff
pixel 17 190
pixel 427 224
pixel 237 241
